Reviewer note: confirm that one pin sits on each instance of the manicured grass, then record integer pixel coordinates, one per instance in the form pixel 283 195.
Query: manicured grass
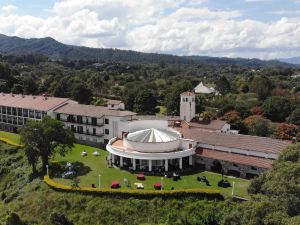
pixel 10 136
pixel 98 165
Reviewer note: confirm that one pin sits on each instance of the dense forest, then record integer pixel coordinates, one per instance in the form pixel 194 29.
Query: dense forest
pixel 261 101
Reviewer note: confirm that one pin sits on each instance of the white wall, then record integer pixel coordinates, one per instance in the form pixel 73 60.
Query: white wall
pixel 151 147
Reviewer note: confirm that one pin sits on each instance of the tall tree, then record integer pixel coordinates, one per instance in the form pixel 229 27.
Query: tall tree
pixel 145 102
pixel 262 86
pixel 277 108
pixel 223 85
pixel 81 93
pixel 44 138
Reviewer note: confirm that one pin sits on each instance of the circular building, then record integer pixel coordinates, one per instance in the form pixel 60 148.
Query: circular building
pixel 151 147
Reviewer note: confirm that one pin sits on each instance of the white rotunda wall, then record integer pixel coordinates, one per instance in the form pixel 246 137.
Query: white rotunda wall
pixel 157 147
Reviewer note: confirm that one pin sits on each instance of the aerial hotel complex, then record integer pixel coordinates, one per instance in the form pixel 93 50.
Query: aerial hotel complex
pixel 150 143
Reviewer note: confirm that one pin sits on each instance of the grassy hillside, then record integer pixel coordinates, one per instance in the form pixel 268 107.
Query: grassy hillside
pixel 34 202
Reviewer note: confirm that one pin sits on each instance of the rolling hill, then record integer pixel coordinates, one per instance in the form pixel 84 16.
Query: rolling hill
pixel 57 51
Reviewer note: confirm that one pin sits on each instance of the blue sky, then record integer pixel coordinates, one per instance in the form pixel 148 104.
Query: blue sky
pixel 236 28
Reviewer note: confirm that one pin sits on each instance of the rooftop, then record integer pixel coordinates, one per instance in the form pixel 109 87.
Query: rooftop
pixel 244 142
pixel 41 103
pixel 188 93
pixel 91 111
pixel 113 102
pixel 211 125
pixel 236 158
pixel 153 135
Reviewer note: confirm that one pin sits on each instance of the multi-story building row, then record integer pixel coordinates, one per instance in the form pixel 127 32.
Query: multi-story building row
pixel 149 142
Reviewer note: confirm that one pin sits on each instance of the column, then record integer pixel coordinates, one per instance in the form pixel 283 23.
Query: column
pixel 113 158
pixel 180 163
pixel 190 160
pixel 121 161
pixel 166 165
pixel 133 164
pixel 150 165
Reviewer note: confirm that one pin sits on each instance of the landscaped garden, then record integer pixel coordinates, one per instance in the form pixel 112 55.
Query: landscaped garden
pixel 89 168
pixel 92 166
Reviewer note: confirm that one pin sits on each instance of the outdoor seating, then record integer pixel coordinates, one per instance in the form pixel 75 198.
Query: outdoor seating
pixel 84 153
pixel 96 153
pixel 176 176
pixel 157 186
pixel 139 185
pixel 141 176
pixel 115 184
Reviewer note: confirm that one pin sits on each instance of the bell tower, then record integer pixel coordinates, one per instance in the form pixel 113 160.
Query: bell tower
pixel 187 106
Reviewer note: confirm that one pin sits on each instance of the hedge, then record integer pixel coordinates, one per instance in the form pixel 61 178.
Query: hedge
pixel 7 141
pixel 201 193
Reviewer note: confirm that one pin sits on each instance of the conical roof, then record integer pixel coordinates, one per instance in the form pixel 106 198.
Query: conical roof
pixel 153 135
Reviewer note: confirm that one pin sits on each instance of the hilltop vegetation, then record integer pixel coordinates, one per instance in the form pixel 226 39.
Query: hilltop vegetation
pixel 27 200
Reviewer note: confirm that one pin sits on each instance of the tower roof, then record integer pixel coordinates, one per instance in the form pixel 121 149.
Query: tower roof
pixel 188 93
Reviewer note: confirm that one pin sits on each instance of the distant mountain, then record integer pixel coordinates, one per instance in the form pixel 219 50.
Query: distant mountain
pixel 57 51
pixel 294 60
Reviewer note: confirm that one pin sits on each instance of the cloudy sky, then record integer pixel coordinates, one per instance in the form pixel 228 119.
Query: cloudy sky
pixel 233 28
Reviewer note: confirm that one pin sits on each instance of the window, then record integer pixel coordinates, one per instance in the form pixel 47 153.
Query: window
pixel 106 121
pixel 235 165
pixel 94 131
pixel 14 111
pixel 190 145
pixel 20 112
pixel 94 121
pixel 38 114
pixel 58 116
pixel 8 110
pixel 3 110
pixel 25 112
pixel 79 119
pixel 31 113
pixel 106 131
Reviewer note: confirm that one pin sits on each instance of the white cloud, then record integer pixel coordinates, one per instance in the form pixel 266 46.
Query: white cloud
pixel 171 26
pixel 9 8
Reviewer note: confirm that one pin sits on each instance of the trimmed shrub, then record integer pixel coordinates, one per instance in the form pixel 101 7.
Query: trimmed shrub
pixel 201 193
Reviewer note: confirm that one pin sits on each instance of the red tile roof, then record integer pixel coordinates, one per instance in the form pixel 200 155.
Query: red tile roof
pixel 244 142
pixel 236 158
pixel 91 111
pixel 188 93
pixel 212 125
pixel 41 103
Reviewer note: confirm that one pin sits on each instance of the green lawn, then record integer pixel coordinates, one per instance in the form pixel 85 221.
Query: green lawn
pixel 10 136
pixel 98 165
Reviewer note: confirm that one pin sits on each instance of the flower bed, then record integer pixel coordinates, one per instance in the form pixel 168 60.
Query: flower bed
pixel 201 193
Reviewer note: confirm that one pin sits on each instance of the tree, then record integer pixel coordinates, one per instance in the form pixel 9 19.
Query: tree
pixel 223 85
pixel 262 86
pixel 294 118
pixel 257 125
pixel 32 155
pixel 81 93
pixel 145 102
pixel 172 96
pixel 286 131
pixel 277 108
pixel 208 115
pixel 44 138
pixel 256 110
pixel 233 118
